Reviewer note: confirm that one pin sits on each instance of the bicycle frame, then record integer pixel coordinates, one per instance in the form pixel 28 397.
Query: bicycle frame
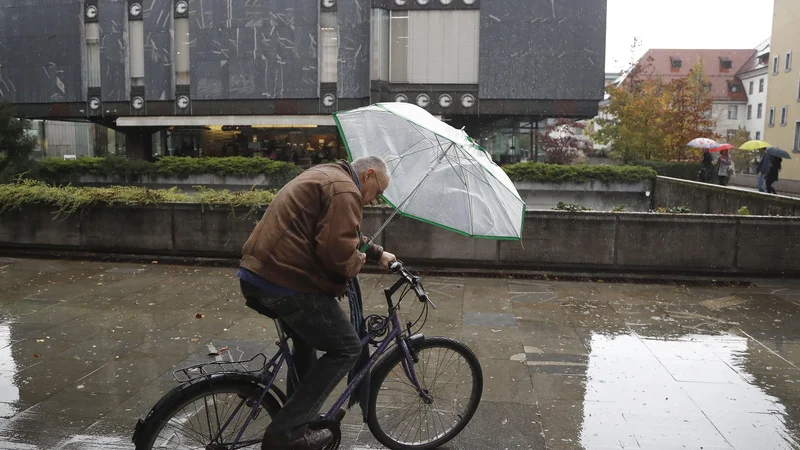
pixel 395 334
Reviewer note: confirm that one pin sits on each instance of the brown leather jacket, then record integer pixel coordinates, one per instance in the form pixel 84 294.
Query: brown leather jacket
pixel 307 239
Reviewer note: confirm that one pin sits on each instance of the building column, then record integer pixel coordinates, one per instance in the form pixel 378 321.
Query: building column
pixel 139 143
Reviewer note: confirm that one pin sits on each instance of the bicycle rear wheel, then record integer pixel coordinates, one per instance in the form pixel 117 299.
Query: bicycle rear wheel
pixel 209 415
pixel 451 375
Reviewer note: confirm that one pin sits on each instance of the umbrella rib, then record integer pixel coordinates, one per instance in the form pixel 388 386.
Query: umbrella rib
pixel 469 197
pixel 461 177
pixel 484 173
pixel 400 158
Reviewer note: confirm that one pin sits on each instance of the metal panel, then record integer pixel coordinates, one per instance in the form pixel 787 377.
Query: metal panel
pixel 537 49
pixel 354 41
pixel 242 49
pixel 40 50
pixel 114 79
pixel 158 26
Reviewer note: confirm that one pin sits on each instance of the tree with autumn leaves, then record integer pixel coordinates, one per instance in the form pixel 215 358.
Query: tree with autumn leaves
pixel 648 118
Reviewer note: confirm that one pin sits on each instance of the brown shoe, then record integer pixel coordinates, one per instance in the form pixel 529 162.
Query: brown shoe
pixel 311 440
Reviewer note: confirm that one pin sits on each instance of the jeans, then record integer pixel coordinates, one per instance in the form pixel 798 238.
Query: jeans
pixel 761 182
pixel 314 321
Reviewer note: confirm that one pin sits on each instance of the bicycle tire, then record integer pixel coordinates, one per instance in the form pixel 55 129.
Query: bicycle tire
pixel 392 361
pixel 242 388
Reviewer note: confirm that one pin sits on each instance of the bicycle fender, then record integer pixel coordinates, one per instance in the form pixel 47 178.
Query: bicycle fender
pixel 169 396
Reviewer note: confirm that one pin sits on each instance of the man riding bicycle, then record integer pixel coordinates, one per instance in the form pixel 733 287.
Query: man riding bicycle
pixel 297 260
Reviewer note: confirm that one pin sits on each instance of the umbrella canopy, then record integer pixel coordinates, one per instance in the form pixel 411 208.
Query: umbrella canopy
pixel 754 145
pixel 439 175
pixel 778 153
pixel 703 143
pixel 722 147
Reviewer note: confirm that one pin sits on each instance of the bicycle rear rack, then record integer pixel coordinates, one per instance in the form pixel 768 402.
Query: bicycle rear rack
pixel 253 365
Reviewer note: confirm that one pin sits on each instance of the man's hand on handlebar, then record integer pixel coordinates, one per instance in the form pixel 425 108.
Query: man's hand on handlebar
pixel 387 259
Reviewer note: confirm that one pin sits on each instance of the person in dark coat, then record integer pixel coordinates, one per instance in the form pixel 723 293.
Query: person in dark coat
pixel 772 176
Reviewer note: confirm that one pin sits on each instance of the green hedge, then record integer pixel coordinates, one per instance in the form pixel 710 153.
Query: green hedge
pixel 68 199
pixel 553 173
pixel 61 170
pixel 682 170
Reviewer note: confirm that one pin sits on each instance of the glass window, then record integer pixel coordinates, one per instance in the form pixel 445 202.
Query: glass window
pixel 796 148
pixel 760 112
pixel 398 49
pixel 776 62
pixel 751 88
pixel 749 112
pixel 733 112
pixel 443 46
pixel 772 117
pixel 761 85
pixel 329 48
pixel 784 112
pixel 380 44
pixel 758 135
pixel 788 61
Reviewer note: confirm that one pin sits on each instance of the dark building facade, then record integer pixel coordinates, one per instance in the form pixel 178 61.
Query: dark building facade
pixel 173 67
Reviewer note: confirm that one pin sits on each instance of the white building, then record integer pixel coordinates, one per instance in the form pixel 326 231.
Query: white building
pixel 754 76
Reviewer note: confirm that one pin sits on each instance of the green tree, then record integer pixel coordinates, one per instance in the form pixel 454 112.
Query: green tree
pixel 16 143
pixel 650 119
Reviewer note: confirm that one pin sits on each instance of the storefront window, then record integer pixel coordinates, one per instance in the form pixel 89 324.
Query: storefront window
pixel 304 146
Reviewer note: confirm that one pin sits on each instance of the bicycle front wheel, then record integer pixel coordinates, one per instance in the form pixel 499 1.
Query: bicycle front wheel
pixel 209 415
pixel 402 419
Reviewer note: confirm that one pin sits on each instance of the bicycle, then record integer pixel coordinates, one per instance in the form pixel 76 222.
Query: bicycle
pixel 400 381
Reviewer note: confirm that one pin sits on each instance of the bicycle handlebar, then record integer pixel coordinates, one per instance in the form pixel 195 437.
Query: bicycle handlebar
pixel 414 281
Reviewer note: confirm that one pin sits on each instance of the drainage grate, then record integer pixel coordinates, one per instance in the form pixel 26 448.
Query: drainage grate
pixel 588 278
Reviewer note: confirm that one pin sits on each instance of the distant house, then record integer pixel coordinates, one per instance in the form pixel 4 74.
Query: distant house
pixel 755 78
pixel 729 109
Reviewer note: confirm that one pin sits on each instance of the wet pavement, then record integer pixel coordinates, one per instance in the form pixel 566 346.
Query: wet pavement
pixel 86 348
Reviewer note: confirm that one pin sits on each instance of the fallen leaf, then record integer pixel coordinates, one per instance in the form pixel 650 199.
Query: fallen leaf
pixel 154 262
pixel 40 340
pixel 199 316
pixel 35 355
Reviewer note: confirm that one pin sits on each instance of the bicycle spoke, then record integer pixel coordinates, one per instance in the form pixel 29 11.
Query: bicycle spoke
pixel 192 425
pixel 403 414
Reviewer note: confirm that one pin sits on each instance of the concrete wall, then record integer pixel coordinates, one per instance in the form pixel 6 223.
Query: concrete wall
pixel 783 186
pixel 629 242
pixel 713 199
pixel 232 183
pixel 542 49
pixel 253 50
pixel 40 51
pixel 597 196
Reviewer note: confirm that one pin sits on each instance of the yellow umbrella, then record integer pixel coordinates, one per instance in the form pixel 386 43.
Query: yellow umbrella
pixel 754 145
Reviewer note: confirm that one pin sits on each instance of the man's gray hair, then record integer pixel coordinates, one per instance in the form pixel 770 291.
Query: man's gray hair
pixel 377 163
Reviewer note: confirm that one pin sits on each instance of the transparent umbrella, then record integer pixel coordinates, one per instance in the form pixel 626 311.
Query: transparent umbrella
pixel 439 175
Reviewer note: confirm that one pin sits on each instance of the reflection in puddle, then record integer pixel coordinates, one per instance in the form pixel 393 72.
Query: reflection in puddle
pixel 9 392
pixel 694 392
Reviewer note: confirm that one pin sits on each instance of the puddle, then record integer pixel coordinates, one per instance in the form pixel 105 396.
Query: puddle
pixel 697 391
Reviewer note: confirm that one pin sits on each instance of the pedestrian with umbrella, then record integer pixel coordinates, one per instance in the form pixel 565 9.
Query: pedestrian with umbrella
pixel 706 145
pixel 776 157
pixel 764 166
pixel 725 166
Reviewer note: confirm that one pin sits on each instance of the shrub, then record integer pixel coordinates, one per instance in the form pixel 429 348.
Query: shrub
pixel 744 211
pixel 682 170
pixel 569 207
pixel 57 170
pixel 552 173
pixel 69 199
pixel 674 210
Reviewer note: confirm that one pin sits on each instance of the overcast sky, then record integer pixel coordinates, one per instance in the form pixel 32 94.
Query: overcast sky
pixel 714 24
